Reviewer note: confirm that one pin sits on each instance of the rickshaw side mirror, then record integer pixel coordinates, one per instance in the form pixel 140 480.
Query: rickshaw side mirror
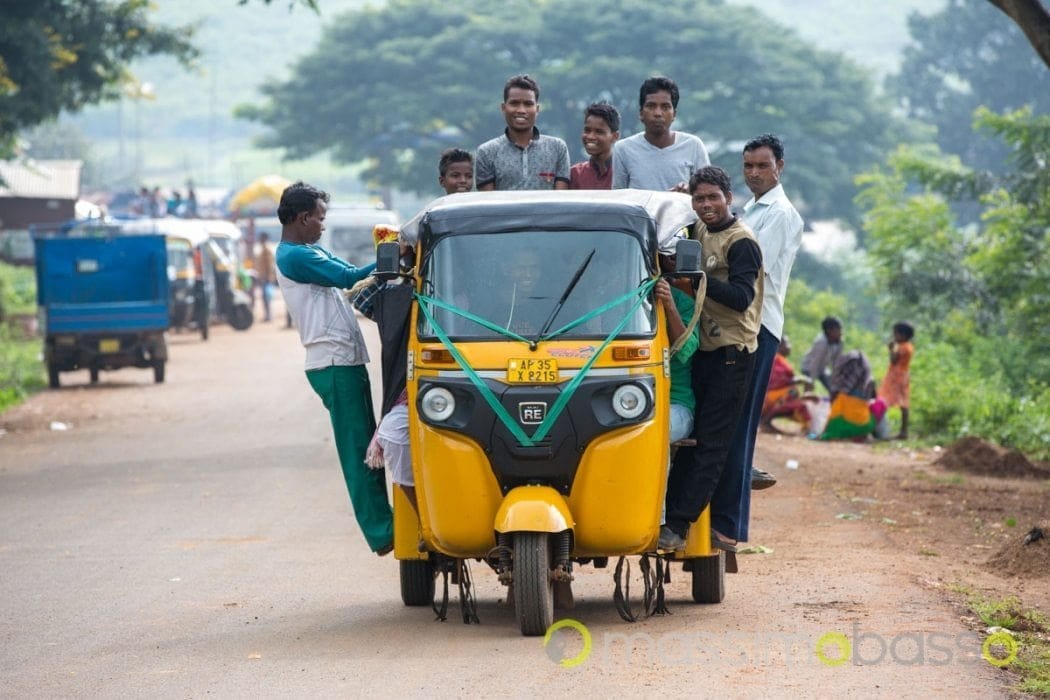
pixel 687 258
pixel 388 257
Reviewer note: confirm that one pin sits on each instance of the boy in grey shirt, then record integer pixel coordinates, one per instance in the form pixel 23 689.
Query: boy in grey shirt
pixel 658 158
pixel 522 158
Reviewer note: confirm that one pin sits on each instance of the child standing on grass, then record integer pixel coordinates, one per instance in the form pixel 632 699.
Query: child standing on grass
pixel 896 387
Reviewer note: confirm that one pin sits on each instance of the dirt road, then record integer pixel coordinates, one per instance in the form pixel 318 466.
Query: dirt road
pixel 194 538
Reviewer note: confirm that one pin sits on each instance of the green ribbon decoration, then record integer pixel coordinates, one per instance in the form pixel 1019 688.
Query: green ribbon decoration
pixel 477 381
pixel 641 292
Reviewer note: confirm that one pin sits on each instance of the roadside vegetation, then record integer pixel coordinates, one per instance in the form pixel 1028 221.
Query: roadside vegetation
pixel 975 286
pixel 1028 655
pixel 21 371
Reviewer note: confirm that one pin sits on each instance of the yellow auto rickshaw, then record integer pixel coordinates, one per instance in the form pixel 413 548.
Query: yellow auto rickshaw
pixel 538 390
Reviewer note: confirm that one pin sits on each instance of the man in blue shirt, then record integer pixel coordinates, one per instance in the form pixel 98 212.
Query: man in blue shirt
pixel 312 280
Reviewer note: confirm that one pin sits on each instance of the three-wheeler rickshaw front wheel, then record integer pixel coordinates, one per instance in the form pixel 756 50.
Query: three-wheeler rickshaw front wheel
pixel 417 582
pixel 533 586
pixel 709 578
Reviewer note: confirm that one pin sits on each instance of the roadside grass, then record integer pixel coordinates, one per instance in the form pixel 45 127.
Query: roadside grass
pixel 1030 630
pixel 21 371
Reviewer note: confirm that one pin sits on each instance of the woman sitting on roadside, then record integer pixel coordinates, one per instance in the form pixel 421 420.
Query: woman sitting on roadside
pixel 784 393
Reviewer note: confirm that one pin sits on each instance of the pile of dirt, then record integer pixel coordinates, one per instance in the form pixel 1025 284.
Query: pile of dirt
pixel 976 456
pixel 1027 555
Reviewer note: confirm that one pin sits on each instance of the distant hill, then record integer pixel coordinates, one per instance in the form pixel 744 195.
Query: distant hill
pixel 871 33
pixel 187 130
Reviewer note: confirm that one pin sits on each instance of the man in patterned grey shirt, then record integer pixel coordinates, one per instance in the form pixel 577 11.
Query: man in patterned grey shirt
pixel 522 158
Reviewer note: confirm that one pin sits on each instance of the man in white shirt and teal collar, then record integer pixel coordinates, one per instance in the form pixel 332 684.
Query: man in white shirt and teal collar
pixel 312 280
pixel 778 228
pixel 659 158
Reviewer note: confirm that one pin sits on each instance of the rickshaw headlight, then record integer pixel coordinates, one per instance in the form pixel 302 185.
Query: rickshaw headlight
pixel 629 401
pixel 438 404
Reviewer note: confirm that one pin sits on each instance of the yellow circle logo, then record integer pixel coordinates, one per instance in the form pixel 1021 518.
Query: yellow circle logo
pixel 838 640
pixel 1006 640
pixel 556 647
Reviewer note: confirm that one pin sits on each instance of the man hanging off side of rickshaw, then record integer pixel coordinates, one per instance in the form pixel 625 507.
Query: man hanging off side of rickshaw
pixel 312 280
pixel 678 307
pixel 729 324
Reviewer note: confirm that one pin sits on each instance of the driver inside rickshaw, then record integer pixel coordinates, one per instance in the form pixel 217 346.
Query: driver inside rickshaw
pixel 521 297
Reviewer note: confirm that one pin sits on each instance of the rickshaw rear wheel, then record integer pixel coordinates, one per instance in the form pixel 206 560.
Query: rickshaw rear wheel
pixel 158 371
pixel 93 374
pixel 241 317
pixel 533 587
pixel 52 376
pixel 709 579
pixel 417 582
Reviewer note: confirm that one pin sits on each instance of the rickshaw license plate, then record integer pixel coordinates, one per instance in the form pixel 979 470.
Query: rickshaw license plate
pixel 109 345
pixel 532 371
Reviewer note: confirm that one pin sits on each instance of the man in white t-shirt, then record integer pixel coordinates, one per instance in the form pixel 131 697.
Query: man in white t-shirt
pixel 659 158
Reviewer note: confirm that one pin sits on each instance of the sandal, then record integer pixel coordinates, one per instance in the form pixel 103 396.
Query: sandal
pixel 722 542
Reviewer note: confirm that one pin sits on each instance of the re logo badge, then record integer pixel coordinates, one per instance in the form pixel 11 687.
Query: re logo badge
pixel 532 412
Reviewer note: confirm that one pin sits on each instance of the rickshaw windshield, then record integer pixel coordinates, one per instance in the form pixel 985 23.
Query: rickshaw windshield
pixel 516 281
pixel 180 258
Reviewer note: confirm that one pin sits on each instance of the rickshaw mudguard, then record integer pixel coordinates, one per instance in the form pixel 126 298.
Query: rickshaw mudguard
pixel 407 530
pixel 533 509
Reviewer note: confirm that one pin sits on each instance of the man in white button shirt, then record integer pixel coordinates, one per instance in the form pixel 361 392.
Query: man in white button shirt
pixel 778 228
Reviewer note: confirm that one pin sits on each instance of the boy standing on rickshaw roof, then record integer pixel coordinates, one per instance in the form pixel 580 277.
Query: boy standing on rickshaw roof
pixel 456 171
pixel 601 129
pixel 658 158
pixel 311 279
pixel 522 158
pixel 729 323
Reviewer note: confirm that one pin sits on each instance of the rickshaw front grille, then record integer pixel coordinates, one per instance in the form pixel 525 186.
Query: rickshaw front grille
pixel 552 461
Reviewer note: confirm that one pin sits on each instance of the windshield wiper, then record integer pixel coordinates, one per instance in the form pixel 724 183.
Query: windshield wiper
pixel 564 295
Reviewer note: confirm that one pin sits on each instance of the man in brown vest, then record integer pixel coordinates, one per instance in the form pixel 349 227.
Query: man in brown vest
pixel 729 325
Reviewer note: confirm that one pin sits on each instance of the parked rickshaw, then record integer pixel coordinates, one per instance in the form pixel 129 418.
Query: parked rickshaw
pixel 232 302
pixel 191 280
pixel 538 387
pixel 183 305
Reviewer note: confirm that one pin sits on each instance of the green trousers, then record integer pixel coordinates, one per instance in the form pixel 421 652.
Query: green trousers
pixel 347 394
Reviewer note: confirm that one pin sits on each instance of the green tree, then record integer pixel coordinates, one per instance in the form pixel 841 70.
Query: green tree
pixel 965 56
pixel 980 294
pixel 60 55
pixel 992 279
pixel 312 4
pixel 394 86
